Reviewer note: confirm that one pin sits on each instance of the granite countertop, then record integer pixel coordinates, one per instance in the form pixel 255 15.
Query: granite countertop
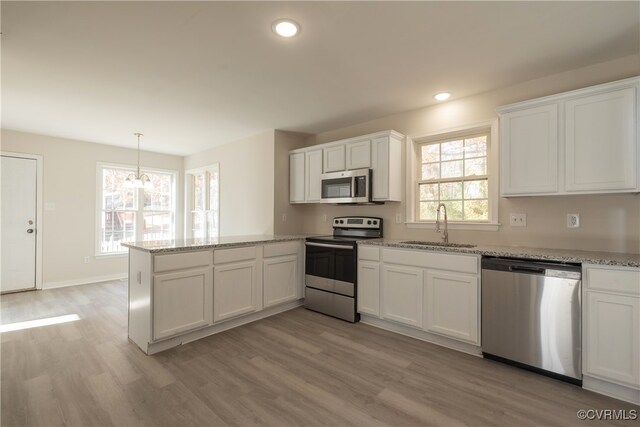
pixel 159 246
pixel 561 255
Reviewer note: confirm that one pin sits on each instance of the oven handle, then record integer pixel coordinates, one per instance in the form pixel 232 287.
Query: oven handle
pixel 326 245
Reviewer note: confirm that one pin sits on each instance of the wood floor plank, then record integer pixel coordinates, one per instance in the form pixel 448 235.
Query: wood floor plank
pixel 298 368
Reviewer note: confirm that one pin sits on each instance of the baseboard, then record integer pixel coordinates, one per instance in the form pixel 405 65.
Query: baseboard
pixel 626 393
pixel 83 281
pixel 421 335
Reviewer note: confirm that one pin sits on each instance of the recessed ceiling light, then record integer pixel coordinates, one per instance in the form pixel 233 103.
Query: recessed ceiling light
pixel 442 96
pixel 286 27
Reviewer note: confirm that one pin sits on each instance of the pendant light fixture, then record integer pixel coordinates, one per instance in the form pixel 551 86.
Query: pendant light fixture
pixel 138 180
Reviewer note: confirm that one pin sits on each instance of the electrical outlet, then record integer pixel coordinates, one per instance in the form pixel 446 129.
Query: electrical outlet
pixel 284 217
pixel 398 218
pixel 324 217
pixel 87 260
pixel 573 220
pixel 518 220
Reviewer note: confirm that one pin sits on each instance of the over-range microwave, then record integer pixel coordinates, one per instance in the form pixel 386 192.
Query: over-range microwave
pixel 352 186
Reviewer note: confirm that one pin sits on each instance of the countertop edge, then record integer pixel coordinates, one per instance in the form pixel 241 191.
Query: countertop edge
pixel 249 242
pixel 516 252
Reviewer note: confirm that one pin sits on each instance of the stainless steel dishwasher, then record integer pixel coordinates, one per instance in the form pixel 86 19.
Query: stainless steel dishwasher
pixel 531 316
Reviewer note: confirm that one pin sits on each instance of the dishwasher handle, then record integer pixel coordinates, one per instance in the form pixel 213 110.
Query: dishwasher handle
pixel 527 269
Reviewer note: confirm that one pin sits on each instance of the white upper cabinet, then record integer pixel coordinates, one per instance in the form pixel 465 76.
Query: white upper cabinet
pixel 334 158
pixel 296 177
pixel 359 154
pixel 584 141
pixel 600 141
pixel 530 158
pixel 313 170
pixel 381 152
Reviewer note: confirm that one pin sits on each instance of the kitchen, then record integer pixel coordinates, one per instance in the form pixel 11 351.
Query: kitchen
pixel 257 168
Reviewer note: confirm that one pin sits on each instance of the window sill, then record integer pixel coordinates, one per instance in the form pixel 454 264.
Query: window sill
pixel 114 255
pixel 478 226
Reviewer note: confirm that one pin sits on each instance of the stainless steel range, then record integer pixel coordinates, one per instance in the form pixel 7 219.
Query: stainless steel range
pixel 331 266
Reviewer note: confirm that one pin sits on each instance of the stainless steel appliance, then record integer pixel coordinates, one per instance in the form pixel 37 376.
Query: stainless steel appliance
pixel 331 266
pixel 352 186
pixel 531 316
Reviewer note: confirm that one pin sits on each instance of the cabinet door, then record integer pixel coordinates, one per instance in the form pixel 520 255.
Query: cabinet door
pixel 402 294
pixel 369 288
pixel 359 154
pixel 182 301
pixel 601 142
pixel 296 178
pixel 313 170
pixel 613 337
pixel 380 168
pixel 334 159
pixel 235 290
pixel 529 160
pixel 451 305
pixel 280 275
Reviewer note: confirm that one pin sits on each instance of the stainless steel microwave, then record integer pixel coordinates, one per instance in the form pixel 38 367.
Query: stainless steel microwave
pixel 352 186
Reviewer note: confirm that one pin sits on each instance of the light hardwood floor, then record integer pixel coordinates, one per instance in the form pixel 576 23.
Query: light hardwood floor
pixel 295 369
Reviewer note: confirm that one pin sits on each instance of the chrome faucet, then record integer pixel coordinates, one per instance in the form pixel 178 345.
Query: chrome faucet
pixel 445 234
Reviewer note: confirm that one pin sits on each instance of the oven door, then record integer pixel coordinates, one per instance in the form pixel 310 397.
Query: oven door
pixel 331 267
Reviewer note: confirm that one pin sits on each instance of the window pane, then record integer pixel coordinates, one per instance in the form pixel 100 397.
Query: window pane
pixel 475 166
pixel 157 226
pixel 213 190
pixel 451 169
pixel 428 210
pixel 451 190
pixel 430 153
pixel 212 223
pixel 114 193
pixel 428 191
pixel 197 225
pixel 159 196
pixel 116 227
pixel 198 191
pixel 475 147
pixel 452 150
pixel 431 171
pixel 477 210
pixel 475 189
pixel 454 210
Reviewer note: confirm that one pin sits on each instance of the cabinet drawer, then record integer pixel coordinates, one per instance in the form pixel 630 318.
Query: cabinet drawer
pixel 231 255
pixel 182 260
pixel 280 249
pixel 440 261
pixel 369 253
pixel 627 281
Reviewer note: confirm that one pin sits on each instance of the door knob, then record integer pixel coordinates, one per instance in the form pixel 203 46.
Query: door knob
pixel 29 230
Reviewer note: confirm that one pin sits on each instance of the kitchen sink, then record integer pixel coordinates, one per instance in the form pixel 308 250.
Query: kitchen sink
pixel 446 245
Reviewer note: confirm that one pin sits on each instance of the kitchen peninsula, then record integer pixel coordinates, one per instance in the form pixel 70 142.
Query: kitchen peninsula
pixel 184 290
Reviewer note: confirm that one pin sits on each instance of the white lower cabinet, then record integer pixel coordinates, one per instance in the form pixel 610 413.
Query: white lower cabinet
pixel 451 305
pixel 369 287
pixel 404 287
pixel 611 331
pixel 402 294
pixel 280 279
pixel 235 290
pixel 613 328
pixel 182 301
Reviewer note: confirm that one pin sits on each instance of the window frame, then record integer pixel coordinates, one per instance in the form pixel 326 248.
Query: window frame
pixel 139 211
pixel 189 198
pixel 414 142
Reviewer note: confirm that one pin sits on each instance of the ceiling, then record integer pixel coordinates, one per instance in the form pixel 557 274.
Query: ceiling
pixel 192 75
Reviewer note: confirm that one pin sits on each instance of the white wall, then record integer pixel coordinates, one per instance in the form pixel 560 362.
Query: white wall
pixel 69 181
pixel 246 183
pixel 608 222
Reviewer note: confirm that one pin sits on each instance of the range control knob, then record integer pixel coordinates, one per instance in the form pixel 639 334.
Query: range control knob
pixel 341 221
pixel 375 222
pixel 369 222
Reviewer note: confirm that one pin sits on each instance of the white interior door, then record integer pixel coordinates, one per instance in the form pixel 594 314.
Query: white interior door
pixel 18 223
